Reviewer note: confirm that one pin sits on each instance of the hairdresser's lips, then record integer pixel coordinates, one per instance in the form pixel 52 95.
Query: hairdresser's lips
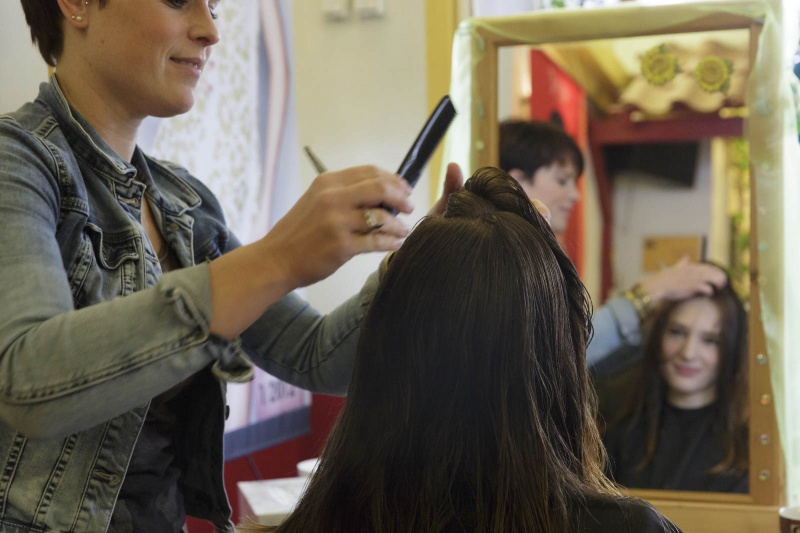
pixel 193 65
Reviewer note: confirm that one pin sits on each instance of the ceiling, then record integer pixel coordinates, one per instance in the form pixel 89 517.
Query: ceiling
pixel 701 72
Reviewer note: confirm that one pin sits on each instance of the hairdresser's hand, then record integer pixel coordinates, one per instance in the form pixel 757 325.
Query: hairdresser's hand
pixel 327 226
pixel 331 223
pixel 542 209
pixel 683 279
pixel 453 181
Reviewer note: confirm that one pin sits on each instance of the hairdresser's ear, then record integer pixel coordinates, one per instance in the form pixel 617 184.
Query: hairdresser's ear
pixel 519 175
pixel 542 209
pixel 76 12
pixel 453 181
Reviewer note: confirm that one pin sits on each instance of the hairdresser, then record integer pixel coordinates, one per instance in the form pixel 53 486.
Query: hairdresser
pixel 547 163
pixel 126 303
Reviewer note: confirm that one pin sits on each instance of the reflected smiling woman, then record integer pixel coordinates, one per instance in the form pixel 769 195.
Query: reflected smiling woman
pixel 686 428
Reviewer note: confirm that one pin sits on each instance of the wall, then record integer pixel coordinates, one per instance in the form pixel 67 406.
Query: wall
pixel 360 99
pixel 22 70
pixel 646 205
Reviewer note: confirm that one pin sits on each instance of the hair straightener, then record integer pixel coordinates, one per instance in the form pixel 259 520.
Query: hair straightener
pixel 428 139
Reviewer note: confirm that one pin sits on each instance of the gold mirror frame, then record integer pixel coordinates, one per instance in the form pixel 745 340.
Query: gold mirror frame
pixel 692 511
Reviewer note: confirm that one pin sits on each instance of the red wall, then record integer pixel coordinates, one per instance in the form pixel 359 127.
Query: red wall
pixel 278 461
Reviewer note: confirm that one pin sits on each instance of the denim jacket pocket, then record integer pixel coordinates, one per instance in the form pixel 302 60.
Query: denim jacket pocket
pixel 98 253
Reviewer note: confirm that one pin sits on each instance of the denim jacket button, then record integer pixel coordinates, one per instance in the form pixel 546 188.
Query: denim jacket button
pixel 172 226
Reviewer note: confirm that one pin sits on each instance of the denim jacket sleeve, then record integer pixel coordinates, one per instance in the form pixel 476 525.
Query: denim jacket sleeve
pixel 615 324
pixel 64 369
pixel 295 343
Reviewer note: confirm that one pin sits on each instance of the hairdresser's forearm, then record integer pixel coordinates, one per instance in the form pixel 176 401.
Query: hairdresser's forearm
pixel 244 283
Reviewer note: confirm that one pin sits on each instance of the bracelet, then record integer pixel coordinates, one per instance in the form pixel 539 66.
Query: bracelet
pixel 640 301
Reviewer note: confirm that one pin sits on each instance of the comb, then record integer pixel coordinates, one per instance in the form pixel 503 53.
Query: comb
pixel 428 139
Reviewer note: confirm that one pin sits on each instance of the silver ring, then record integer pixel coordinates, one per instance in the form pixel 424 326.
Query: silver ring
pixel 372 222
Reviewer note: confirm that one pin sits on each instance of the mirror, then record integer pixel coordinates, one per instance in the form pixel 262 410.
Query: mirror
pixel 667 170
pixel 476 141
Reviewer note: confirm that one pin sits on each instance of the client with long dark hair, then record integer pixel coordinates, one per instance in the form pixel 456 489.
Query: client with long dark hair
pixel 470 408
pixel 686 426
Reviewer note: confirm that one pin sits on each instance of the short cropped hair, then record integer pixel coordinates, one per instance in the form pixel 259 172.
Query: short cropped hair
pixel 529 145
pixel 44 18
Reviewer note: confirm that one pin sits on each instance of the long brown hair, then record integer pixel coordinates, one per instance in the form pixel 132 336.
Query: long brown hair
pixel 470 407
pixel 730 407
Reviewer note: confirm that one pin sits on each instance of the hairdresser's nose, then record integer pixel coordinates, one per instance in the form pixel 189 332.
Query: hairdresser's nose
pixel 574 193
pixel 203 26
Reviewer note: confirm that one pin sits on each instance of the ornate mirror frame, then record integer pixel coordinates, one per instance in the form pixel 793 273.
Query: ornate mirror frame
pixel 473 142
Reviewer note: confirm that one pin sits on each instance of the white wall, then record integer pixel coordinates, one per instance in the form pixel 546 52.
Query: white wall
pixel 646 205
pixel 21 66
pixel 361 98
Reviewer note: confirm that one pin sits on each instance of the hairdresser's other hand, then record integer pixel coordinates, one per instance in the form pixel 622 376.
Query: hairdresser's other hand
pixel 329 224
pixel 542 209
pixel 683 279
pixel 453 181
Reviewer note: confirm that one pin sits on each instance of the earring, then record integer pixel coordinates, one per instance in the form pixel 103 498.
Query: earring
pixel 77 18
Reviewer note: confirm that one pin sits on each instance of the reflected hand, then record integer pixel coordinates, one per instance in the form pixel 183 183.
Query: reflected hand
pixel 542 209
pixel 684 279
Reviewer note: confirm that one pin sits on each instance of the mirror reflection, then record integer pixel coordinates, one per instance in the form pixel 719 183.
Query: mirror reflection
pixel 656 199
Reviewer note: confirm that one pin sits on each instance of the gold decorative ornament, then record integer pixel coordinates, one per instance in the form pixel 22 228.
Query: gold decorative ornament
pixel 659 65
pixel 713 74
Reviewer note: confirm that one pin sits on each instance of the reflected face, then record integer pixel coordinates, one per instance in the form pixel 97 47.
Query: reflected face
pixel 690 353
pixel 556 186
pixel 146 57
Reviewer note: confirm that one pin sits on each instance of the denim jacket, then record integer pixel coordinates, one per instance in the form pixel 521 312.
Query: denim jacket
pixel 90 329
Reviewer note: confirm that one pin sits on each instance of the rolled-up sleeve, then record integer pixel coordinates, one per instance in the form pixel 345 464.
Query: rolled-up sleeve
pixel 615 324
pixel 295 343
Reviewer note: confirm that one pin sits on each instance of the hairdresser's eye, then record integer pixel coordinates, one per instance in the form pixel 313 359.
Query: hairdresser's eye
pixel 212 8
pixel 177 3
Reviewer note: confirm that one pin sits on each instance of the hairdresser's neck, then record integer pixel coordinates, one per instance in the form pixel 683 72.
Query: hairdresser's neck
pixel 106 115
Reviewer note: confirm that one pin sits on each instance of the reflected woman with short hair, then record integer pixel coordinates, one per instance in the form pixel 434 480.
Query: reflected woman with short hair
pixel 470 408
pixel 686 427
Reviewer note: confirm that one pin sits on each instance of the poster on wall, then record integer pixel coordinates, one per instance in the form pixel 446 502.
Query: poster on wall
pixel 240 139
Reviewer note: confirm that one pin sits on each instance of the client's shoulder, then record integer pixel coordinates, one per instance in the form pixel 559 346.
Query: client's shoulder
pixel 610 514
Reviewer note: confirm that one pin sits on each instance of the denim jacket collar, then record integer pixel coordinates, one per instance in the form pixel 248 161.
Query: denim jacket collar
pixel 175 196
pixel 85 141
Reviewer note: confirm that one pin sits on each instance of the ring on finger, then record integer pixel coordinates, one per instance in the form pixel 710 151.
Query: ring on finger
pixel 372 222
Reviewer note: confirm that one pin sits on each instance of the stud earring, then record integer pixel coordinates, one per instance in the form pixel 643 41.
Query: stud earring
pixel 77 18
